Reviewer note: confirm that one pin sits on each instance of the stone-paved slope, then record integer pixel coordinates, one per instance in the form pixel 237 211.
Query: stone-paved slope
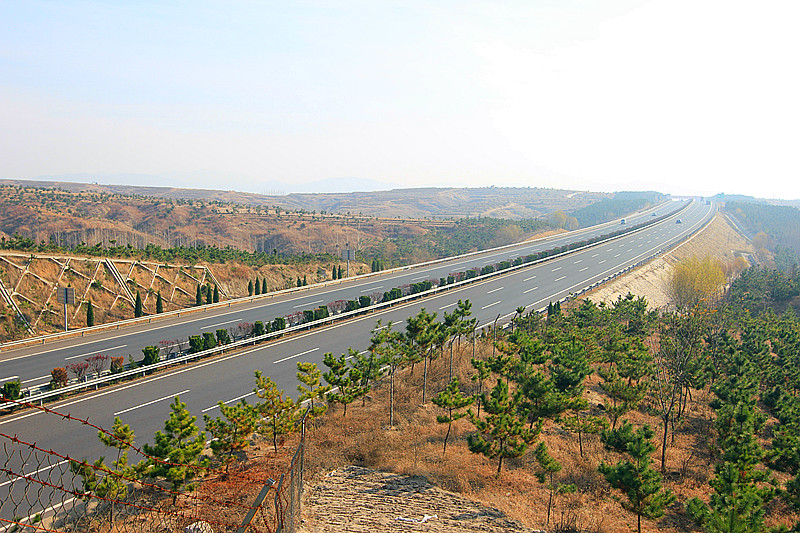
pixel 357 499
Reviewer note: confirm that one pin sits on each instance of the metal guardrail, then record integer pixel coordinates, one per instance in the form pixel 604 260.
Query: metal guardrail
pixel 185 358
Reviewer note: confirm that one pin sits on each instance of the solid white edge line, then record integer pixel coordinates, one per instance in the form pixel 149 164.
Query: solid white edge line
pixel 10 481
pixel 220 324
pixel 41 513
pixel 295 355
pixel 93 353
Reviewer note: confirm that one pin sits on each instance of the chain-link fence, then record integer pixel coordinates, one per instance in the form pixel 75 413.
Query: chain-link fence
pixel 44 490
pixel 290 488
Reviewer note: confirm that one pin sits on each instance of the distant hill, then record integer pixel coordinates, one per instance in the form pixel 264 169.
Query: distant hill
pixel 776 227
pixel 496 202
pixel 620 205
pixel 232 181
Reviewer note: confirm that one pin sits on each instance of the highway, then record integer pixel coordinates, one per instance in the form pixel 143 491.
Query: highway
pixel 32 364
pixel 144 403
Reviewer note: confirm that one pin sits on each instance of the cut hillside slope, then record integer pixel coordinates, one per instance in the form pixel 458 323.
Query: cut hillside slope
pixel 30 281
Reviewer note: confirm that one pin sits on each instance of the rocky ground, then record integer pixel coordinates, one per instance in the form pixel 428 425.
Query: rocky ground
pixel 357 499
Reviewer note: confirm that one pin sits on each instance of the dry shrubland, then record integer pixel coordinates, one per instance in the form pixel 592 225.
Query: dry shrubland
pixel 414 447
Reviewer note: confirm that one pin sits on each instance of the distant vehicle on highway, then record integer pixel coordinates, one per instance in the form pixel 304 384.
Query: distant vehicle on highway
pixel 622 221
pixel 679 221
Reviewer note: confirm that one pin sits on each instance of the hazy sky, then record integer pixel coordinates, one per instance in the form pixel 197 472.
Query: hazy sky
pixel 681 96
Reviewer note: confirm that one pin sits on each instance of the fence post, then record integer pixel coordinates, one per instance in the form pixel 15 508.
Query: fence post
pixel 256 505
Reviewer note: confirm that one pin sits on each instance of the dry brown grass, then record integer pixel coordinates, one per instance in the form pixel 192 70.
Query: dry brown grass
pixel 414 447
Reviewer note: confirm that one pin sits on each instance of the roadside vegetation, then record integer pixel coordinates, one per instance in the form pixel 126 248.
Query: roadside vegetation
pixel 773 227
pixel 590 418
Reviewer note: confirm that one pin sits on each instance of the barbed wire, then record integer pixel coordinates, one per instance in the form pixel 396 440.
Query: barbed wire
pixel 56 487
pixel 137 449
pixel 114 473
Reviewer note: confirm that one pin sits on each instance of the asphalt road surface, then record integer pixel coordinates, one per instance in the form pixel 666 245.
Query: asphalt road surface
pixel 144 403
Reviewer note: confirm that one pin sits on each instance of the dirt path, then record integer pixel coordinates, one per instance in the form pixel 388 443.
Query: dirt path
pixel 357 499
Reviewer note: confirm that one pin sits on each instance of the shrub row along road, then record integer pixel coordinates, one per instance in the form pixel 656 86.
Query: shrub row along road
pixel 32 364
pixel 144 403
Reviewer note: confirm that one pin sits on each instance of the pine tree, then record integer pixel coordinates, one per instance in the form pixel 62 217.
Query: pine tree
pixel 299 282
pixel 209 295
pixel 89 314
pixel 231 434
pixel 583 424
pixel 392 348
pixel 198 297
pixel 264 286
pixel 159 303
pixel 151 355
pixel 740 494
pixel 176 453
pixel 114 483
pixel 223 337
pixel 548 467
pixel 482 372
pixel 209 340
pixel 250 288
pixel 137 307
pixel 369 365
pixel 422 330
pixel 113 486
pixel 311 389
pixel 346 379
pixel 451 399
pixel 502 434
pixel 279 413
pixel 258 286
pixel 216 294
pixel 638 481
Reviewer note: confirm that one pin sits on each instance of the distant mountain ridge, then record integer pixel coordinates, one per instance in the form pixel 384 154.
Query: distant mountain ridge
pixel 235 182
pixel 497 202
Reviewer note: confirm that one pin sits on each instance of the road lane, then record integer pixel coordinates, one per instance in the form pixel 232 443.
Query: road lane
pixel 144 403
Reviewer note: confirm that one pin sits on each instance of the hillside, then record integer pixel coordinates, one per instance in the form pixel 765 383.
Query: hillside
pixel 110 242
pixel 772 227
pixel 80 220
pixel 497 202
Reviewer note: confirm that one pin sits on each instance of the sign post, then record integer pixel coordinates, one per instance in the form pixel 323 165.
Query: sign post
pixel 347 255
pixel 65 295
